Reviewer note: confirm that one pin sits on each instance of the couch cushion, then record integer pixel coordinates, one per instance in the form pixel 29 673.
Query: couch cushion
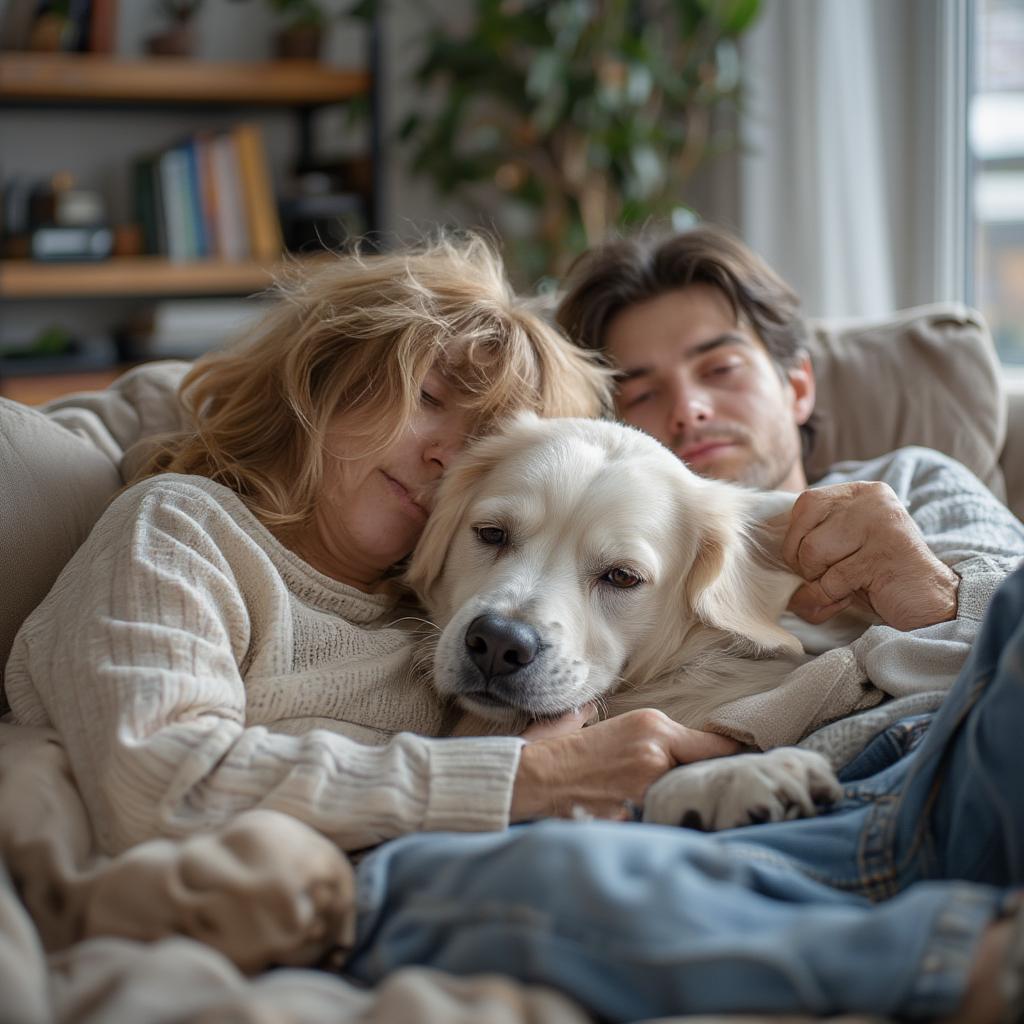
pixel 137 405
pixel 55 485
pixel 928 376
pixel 60 465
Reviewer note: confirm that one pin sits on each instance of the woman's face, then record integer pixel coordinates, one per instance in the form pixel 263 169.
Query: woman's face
pixel 373 506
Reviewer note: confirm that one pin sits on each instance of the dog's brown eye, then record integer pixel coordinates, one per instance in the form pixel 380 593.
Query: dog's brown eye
pixel 622 578
pixel 491 535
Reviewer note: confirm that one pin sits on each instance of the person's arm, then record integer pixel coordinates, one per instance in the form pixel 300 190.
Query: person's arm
pixel 134 658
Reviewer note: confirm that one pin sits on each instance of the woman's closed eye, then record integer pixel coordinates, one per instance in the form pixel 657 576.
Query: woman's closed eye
pixel 630 401
pixel 427 398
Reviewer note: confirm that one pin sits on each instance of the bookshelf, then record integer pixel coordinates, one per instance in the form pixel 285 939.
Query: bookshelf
pixel 83 78
pixel 44 387
pixel 58 84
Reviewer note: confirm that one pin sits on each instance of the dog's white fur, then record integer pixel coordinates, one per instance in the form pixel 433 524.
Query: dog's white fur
pixel 576 501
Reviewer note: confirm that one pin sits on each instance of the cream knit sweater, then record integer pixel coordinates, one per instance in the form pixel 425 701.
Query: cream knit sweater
pixel 195 667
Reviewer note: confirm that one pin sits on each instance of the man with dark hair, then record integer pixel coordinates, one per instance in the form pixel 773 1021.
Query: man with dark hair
pixel 633 299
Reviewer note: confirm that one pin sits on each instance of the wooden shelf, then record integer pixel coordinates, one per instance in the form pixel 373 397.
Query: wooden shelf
pixel 45 387
pixel 142 275
pixel 72 78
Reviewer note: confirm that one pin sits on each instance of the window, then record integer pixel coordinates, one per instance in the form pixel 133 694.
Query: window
pixel 996 140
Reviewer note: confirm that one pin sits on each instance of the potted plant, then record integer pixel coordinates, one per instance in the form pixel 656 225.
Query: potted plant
pixel 177 40
pixel 301 34
pixel 563 120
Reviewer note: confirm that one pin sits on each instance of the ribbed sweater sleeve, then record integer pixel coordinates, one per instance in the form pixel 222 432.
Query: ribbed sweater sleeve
pixel 138 658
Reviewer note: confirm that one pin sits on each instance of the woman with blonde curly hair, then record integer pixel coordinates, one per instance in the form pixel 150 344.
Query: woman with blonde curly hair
pixel 227 639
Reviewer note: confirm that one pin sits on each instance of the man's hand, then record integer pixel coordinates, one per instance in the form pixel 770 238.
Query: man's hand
pixel 857 540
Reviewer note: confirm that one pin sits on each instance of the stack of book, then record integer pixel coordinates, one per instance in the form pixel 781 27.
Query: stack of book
pixel 210 197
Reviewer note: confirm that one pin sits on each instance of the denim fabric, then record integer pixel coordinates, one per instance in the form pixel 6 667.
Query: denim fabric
pixel 874 908
pixel 888 747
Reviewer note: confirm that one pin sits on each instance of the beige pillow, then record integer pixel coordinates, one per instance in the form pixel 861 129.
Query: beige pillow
pixel 137 405
pixel 55 485
pixel 60 465
pixel 926 376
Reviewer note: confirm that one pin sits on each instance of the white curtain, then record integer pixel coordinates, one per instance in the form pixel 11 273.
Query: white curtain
pixel 853 178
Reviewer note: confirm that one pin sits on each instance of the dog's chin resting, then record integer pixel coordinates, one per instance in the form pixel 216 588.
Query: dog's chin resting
pixel 570 562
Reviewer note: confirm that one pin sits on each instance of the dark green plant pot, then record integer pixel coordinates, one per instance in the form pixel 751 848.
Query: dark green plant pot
pixel 177 41
pixel 300 42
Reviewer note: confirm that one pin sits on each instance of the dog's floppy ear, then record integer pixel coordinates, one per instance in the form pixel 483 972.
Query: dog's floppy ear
pixel 734 584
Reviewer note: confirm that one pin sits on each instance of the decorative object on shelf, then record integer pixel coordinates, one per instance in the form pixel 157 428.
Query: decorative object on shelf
pixel 58 25
pixel 566 120
pixel 53 219
pixel 54 348
pixel 301 34
pixel 71 244
pixel 15 218
pixel 52 340
pixel 178 39
pixel 184 328
pixel 51 30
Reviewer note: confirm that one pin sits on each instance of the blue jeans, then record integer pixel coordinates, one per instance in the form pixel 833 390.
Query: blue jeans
pixel 874 908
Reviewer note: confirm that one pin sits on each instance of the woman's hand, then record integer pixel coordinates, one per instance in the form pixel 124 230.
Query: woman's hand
pixel 603 769
pixel 857 539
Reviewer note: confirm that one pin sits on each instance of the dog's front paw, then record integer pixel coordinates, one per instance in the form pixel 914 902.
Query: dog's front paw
pixel 745 789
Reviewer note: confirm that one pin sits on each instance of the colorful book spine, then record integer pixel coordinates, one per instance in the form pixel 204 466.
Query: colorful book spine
pixel 199 243
pixel 177 217
pixel 232 229
pixel 147 212
pixel 262 219
pixel 208 198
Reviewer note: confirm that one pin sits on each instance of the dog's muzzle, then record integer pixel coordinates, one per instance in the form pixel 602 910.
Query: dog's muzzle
pixel 503 667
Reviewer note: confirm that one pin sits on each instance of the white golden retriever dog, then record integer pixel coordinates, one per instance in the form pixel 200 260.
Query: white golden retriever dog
pixel 575 561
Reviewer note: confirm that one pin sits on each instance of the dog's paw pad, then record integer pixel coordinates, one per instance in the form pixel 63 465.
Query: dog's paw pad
pixel 759 815
pixel 692 819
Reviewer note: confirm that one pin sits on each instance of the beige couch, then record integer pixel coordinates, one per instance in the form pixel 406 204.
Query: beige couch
pixel 926 376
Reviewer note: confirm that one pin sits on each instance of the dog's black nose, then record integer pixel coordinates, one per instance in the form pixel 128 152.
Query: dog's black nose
pixel 499 646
